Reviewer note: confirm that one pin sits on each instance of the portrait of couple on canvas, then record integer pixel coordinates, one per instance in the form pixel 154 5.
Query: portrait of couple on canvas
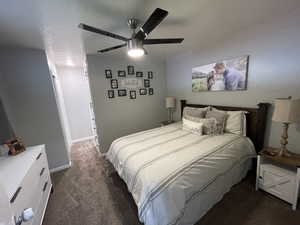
pixel 226 75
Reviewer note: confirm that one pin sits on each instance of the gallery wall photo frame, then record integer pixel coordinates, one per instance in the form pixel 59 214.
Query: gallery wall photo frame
pixel 114 84
pixel 132 94
pixel 146 83
pixel 150 75
pixel 111 93
pixel 121 73
pixel 143 91
pixel 130 70
pixel 108 73
pixel 151 91
pixel 122 92
pixel 139 74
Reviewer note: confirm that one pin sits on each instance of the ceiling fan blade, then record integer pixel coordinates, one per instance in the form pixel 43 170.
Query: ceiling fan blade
pixel 111 48
pixel 162 41
pixel 103 32
pixel 153 21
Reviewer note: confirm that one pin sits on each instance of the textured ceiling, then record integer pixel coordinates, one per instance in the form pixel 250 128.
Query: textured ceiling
pixel 52 24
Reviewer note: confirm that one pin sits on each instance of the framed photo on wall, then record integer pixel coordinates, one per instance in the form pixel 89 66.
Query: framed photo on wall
pixel 108 74
pixel 111 93
pixel 151 92
pixel 139 74
pixel 150 75
pixel 114 83
pixel 224 75
pixel 146 83
pixel 122 92
pixel 130 70
pixel 132 94
pixel 121 73
pixel 143 91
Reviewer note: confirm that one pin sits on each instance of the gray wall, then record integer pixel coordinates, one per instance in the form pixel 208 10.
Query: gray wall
pixel 121 115
pixel 6 131
pixel 29 100
pixel 77 98
pixel 274 70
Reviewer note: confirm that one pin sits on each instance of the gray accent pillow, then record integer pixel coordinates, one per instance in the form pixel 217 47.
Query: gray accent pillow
pixel 220 118
pixel 195 112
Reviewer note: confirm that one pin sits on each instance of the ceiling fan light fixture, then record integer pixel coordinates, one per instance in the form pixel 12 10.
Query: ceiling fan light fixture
pixel 136 52
pixel 135 48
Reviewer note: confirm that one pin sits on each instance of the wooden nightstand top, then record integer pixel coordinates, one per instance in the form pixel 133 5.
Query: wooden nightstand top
pixel 293 160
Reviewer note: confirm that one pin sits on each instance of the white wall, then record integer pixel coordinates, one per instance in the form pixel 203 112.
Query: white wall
pixel 121 116
pixel 77 98
pixel 29 100
pixel 274 70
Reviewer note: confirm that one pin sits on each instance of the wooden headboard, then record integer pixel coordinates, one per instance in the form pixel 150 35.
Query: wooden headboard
pixel 256 120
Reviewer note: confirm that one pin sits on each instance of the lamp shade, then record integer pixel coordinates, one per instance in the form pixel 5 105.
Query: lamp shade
pixel 170 102
pixel 287 111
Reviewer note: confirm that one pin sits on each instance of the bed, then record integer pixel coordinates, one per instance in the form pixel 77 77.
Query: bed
pixel 176 176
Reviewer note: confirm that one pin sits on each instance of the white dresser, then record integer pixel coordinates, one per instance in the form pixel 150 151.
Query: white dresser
pixel 26 180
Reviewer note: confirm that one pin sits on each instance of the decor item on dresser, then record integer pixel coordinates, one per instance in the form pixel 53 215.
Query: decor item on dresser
pixel 111 93
pixel 26 180
pixel 143 91
pixel 130 70
pixel 15 146
pixel 287 111
pixel 139 74
pixel 114 83
pixel 151 91
pixel 121 73
pixel 170 105
pixel 146 83
pixel 225 75
pixel 132 94
pixel 122 92
pixel 108 74
pixel 150 75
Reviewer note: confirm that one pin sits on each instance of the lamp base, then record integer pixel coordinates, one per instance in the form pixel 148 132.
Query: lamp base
pixel 283 152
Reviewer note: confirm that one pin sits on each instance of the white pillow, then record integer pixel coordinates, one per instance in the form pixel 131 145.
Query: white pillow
pixel 209 125
pixel 236 122
pixel 192 126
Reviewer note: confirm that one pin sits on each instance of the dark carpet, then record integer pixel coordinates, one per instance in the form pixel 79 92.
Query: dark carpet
pixel 89 193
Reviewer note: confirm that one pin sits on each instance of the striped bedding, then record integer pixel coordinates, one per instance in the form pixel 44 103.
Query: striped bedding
pixel 167 169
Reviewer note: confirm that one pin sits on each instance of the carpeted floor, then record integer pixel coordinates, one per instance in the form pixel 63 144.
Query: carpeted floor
pixel 90 194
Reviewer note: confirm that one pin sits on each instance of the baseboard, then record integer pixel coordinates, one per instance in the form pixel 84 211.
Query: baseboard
pixel 82 139
pixel 60 168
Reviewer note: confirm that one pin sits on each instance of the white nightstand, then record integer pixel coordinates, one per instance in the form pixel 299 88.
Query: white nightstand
pixel 279 176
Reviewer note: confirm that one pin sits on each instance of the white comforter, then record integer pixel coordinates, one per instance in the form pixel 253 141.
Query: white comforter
pixel 166 168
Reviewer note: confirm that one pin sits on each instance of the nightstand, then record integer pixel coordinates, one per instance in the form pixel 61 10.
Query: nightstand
pixel 165 123
pixel 279 175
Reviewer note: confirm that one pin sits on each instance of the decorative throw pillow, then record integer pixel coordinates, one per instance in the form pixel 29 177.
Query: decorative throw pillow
pixel 195 112
pixel 209 125
pixel 194 127
pixel 220 117
pixel 235 122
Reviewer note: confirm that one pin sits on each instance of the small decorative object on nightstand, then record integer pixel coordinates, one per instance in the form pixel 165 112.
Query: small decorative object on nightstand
pixel 279 175
pixel 286 111
pixel 170 105
pixel 165 123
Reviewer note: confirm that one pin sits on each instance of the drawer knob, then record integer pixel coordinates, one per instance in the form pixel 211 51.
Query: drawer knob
pixel 27 215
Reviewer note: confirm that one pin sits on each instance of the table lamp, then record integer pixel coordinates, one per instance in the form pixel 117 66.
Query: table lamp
pixel 170 105
pixel 287 111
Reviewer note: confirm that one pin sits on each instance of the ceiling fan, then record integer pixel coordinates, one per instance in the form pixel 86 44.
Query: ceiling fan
pixel 138 39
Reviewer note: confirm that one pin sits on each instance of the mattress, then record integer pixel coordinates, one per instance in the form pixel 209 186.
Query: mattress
pixel 175 176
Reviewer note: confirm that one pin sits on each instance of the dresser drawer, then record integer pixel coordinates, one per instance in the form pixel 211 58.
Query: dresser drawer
pixel 279 182
pixel 28 194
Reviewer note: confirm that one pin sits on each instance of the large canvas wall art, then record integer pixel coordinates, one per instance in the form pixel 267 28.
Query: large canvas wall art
pixel 225 75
